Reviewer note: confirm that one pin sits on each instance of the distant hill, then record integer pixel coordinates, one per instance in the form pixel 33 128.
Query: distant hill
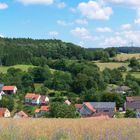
pixel 128 49
pixel 29 51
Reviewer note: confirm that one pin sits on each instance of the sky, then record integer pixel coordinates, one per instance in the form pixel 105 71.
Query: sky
pixel 88 23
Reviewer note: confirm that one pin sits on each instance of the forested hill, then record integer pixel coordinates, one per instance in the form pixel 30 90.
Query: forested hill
pixel 128 49
pixel 29 51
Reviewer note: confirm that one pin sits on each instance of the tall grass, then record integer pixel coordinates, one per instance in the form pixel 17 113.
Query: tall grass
pixel 69 129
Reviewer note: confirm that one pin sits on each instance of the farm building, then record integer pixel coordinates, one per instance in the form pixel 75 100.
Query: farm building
pixel 91 109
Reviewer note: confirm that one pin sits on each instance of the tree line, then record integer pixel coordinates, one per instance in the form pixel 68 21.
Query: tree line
pixel 29 51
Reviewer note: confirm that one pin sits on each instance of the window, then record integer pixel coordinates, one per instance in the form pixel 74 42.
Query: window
pixel 106 110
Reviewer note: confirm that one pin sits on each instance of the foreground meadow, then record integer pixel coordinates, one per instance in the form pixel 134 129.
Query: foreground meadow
pixel 69 129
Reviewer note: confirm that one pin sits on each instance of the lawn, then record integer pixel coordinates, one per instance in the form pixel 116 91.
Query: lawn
pixel 70 129
pixel 135 74
pixel 110 65
pixel 3 69
pixel 124 57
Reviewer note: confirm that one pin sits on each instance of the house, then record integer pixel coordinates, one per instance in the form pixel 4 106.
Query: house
pixel 9 89
pixel 123 90
pixel 67 102
pixel 41 111
pixel 32 98
pixel 36 99
pixel 90 109
pixel 20 114
pixel 134 104
pixel 4 112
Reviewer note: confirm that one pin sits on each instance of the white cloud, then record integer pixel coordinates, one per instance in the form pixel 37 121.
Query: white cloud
pixel 61 5
pixel 137 21
pixel 81 21
pixel 126 26
pixel 82 33
pixel 122 38
pixel 114 41
pixel 3 6
pixel 1 36
pixel 94 10
pixel 53 33
pixel 45 2
pixel 134 3
pixel 103 29
pixel 132 36
pixel 64 23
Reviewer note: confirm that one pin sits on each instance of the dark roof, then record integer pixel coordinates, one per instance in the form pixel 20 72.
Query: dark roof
pixel 97 105
pixel 133 99
pixel 133 105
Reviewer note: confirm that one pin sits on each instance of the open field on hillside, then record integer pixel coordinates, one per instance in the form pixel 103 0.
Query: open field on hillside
pixel 110 65
pixel 123 56
pixel 135 74
pixel 3 69
pixel 70 129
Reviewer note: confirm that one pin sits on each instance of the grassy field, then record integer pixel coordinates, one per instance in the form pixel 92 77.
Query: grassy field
pixel 70 129
pixel 135 74
pixel 110 65
pixel 124 57
pixel 3 69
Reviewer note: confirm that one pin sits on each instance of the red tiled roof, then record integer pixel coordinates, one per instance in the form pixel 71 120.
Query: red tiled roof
pixel 78 106
pixel 32 95
pixel 90 107
pixel 8 88
pixel 44 108
pixel 2 111
pixel 37 110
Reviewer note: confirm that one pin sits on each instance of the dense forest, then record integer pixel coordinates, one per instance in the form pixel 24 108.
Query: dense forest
pixel 29 51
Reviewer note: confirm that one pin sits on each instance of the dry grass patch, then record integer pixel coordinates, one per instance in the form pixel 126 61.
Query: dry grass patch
pixel 124 57
pixel 70 129
pixel 110 65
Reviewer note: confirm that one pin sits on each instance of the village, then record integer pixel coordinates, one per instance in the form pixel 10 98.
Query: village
pixel 85 110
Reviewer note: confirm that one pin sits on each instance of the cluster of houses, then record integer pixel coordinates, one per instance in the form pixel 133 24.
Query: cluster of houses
pixel 87 109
